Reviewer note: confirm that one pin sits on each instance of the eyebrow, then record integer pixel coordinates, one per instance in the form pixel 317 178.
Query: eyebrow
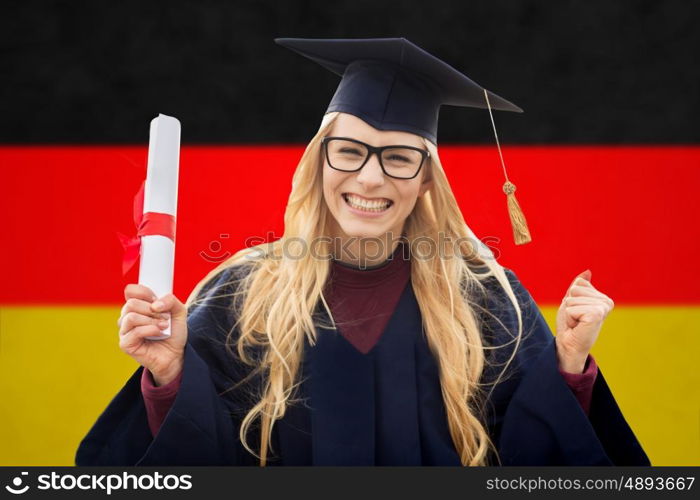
pixel 422 146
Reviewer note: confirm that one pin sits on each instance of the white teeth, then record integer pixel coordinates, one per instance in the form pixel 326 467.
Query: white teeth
pixel 375 206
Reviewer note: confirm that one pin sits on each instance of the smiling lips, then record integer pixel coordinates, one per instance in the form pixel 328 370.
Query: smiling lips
pixel 371 204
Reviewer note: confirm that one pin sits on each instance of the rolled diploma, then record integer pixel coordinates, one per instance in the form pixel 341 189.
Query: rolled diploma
pixel 157 264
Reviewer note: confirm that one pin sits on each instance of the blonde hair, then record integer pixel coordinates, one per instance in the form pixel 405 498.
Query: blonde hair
pixel 279 297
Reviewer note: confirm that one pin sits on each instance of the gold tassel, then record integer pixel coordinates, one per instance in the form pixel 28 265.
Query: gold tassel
pixel 521 233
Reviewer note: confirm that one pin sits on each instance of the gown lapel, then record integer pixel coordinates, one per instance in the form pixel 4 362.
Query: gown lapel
pixel 364 406
pixel 341 382
pixel 380 408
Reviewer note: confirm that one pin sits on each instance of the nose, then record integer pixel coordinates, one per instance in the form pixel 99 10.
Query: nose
pixel 371 174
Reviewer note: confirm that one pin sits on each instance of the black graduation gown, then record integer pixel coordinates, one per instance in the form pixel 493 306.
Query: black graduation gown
pixel 380 408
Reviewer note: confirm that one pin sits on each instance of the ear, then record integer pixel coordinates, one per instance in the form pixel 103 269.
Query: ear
pixel 425 185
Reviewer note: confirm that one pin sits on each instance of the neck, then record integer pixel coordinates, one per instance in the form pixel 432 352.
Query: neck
pixel 364 252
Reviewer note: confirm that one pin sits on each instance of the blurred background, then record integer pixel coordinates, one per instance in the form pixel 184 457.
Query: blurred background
pixel 606 159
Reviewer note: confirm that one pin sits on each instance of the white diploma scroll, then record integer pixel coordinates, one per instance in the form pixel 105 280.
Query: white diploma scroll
pixel 157 264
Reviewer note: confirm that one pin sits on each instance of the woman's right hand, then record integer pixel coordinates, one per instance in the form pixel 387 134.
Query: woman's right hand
pixel 140 318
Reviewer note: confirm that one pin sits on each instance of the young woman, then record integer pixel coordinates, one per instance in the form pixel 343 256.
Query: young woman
pixel 377 330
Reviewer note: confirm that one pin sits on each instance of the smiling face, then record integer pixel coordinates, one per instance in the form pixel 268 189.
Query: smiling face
pixel 357 200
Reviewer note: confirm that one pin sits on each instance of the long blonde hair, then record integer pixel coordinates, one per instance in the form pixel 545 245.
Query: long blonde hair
pixel 279 297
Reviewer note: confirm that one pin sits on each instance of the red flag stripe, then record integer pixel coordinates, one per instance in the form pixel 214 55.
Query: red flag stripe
pixel 627 213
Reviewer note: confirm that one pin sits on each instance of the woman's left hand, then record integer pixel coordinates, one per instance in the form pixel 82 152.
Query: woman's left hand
pixel 579 320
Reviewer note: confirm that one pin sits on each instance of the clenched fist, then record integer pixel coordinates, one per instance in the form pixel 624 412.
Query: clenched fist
pixel 143 315
pixel 579 320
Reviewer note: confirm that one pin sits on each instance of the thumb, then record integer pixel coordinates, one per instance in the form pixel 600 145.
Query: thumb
pixel 586 275
pixel 170 303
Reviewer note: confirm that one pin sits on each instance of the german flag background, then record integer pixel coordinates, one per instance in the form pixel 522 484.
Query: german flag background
pixel 606 159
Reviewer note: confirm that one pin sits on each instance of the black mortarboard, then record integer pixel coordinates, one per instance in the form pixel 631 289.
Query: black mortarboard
pixel 392 84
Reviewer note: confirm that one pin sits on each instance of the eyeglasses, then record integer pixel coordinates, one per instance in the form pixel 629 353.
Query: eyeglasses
pixel 350 155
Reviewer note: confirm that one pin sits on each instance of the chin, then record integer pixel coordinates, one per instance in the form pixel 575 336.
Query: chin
pixel 359 229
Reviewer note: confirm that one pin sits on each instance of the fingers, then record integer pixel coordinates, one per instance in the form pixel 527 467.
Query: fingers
pixel 579 282
pixel 134 337
pixel 581 300
pixel 582 278
pixel 593 313
pixel 133 320
pixel 583 303
pixel 586 300
pixel 169 303
pixel 136 291
pixel 582 287
pixel 584 291
pixel 138 306
pixel 144 309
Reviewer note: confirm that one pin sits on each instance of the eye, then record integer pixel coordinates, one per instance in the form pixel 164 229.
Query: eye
pixel 352 151
pixel 395 157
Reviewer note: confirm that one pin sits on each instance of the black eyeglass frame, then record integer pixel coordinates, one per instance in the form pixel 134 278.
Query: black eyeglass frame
pixel 374 150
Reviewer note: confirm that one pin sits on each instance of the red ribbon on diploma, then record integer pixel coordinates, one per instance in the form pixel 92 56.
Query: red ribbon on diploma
pixel 147 224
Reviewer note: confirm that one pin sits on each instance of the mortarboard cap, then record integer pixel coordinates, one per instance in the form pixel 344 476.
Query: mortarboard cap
pixel 392 84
